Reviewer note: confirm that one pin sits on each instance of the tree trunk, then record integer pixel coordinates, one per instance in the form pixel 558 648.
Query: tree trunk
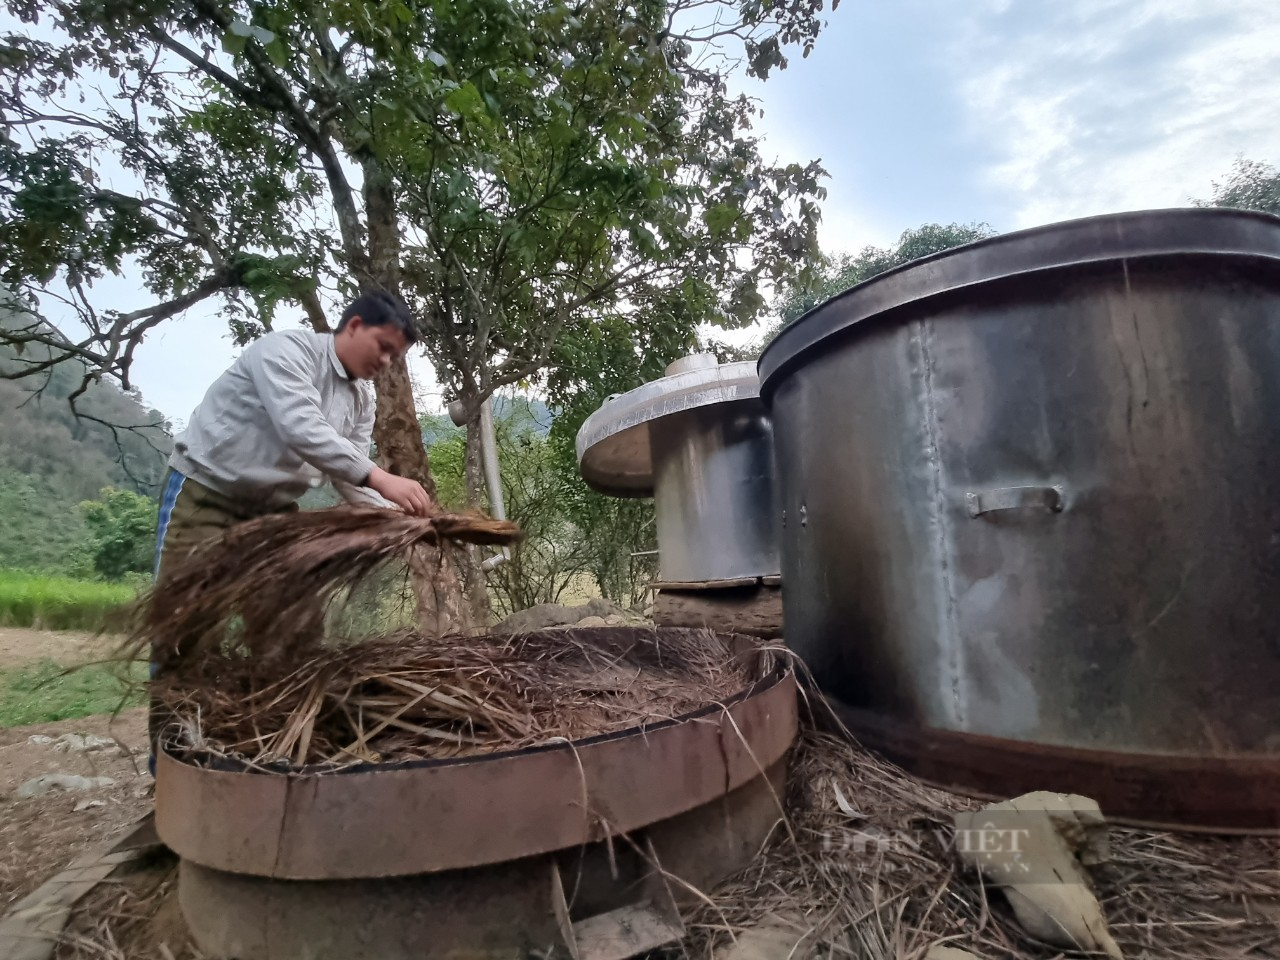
pixel 396 430
pixel 473 467
pixel 477 583
pixel 754 610
pixel 442 606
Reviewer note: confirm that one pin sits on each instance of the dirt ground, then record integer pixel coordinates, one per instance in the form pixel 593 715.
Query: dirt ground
pixel 41 834
pixel 19 645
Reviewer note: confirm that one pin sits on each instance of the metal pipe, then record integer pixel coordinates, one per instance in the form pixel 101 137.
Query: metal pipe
pixel 492 478
pixel 489 465
pixel 489 460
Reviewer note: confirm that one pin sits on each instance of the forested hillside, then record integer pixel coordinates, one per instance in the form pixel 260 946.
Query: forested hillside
pixel 57 515
pixel 51 461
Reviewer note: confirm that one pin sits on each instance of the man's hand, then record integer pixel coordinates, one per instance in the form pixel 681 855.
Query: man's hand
pixel 406 494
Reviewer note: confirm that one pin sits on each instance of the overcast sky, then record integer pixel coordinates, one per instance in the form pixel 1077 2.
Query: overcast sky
pixel 1013 112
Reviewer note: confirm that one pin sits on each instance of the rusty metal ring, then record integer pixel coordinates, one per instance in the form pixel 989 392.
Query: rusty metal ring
pixel 443 815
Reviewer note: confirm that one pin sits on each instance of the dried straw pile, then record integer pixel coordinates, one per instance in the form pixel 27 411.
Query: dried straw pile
pixel 247 671
pixel 872 873
pixel 409 697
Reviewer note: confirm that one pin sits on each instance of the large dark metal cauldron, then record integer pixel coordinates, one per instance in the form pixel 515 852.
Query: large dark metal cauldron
pixel 1030 507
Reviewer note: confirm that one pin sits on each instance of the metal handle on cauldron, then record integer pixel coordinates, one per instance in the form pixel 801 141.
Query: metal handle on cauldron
pixel 1014 498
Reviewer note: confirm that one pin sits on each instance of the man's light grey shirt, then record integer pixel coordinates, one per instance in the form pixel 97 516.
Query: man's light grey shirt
pixel 280 419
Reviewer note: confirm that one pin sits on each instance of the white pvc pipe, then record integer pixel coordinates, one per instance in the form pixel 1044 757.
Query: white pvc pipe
pixel 489 461
pixel 492 478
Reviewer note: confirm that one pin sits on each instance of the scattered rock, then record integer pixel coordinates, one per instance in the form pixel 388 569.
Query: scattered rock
pixel 1035 849
pixel 88 805
pixel 775 938
pixel 950 953
pixel 547 615
pixel 75 743
pixel 39 786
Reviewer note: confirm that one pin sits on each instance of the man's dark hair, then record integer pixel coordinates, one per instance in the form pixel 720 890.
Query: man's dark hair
pixel 378 308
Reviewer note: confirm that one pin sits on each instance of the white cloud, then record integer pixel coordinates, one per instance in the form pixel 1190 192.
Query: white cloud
pixel 1069 108
pixel 1103 105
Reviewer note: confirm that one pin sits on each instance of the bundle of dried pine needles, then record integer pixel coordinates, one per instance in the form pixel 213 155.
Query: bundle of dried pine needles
pixel 409 697
pixel 274 576
pixel 246 670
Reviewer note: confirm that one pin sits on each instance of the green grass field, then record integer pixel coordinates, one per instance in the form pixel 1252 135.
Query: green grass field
pixel 59 603
pixel 42 692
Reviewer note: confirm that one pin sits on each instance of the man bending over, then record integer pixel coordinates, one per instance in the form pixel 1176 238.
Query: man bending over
pixel 297 406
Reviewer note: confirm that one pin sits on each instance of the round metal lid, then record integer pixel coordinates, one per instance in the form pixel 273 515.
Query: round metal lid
pixel 1191 231
pixel 613 444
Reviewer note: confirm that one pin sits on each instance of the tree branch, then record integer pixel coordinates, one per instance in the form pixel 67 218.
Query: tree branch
pixel 279 99
pixel 109 352
pixel 315 312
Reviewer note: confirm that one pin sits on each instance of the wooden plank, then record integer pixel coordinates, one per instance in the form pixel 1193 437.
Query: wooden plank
pixel 634 929
pixel 33 926
pixel 756 611
pixel 733 584
pixel 140 836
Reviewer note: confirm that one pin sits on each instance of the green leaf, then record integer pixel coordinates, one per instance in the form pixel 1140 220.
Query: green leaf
pixel 584 156
pixel 384 116
pixel 234 43
pixel 465 101
pixel 719 218
pixel 560 133
pixel 277 53
pixel 645 240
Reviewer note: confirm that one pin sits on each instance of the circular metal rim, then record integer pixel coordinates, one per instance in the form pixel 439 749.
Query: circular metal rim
pixel 487 913
pixel 454 814
pixel 613 443
pixel 1178 232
